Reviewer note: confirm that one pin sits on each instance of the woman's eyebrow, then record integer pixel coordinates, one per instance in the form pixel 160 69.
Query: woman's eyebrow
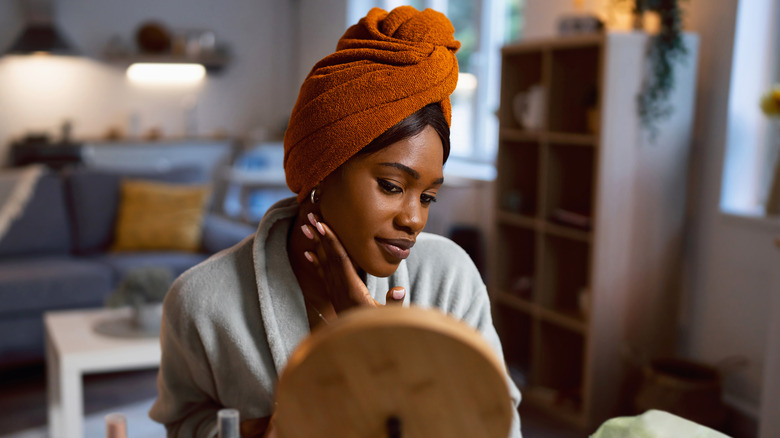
pixel 415 174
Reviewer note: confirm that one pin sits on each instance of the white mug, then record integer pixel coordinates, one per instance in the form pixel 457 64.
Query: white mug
pixel 529 107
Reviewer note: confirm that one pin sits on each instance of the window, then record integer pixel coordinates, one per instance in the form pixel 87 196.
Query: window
pixel 482 27
pixel 751 147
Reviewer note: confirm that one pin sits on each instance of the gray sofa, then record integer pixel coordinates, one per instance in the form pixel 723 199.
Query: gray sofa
pixel 56 255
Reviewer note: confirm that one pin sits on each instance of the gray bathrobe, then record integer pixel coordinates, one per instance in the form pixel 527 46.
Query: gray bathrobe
pixel 230 323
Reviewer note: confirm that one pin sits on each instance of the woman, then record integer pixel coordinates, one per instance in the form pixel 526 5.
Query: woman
pixel 364 151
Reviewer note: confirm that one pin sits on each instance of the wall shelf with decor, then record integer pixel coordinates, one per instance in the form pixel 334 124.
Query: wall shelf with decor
pixel 581 269
pixel 213 63
pixel 154 42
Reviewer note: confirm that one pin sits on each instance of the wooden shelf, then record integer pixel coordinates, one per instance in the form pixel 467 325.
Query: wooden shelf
pixel 519 135
pixel 518 220
pixel 567 232
pixel 516 303
pixel 532 223
pixel 572 139
pixel 564 138
pixel 560 409
pixel 544 271
pixel 546 44
pixel 212 62
pixel 569 320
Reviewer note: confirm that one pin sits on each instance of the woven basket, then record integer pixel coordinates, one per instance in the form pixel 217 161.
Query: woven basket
pixel 688 389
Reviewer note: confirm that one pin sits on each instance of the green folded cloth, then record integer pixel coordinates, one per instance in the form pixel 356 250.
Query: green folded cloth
pixel 654 424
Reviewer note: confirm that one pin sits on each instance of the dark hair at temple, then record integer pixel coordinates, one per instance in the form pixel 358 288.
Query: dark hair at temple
pixel 429 115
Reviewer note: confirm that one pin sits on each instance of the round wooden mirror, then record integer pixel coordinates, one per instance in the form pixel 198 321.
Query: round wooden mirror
pixel 393 372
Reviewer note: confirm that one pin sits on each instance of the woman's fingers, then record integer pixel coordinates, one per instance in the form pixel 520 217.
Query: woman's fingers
pixel 314 221
pixel 395 295
pixel 335 267
pixel 344 286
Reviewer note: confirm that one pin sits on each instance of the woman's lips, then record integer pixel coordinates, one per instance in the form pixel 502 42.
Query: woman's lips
pixel 397 248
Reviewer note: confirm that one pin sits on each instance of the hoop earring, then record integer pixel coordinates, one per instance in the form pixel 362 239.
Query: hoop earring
pixel 313 196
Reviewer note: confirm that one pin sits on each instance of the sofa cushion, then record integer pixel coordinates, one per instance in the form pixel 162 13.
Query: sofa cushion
pixel 122 262
pixel 42 227
pixel 34 284
pixel 160 216
pixel 220 233
pixel 94 197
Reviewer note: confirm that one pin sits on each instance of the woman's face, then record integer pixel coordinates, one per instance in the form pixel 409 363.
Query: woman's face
pixel 377 204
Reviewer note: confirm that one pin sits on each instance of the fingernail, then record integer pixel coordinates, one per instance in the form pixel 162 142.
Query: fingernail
pixel 307 232
pixel 316 224
pixel 308 256
pixel 398 294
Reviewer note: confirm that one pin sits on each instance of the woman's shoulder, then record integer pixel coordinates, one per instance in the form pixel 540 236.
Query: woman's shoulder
pixel 438 248
pixel 213 280
pixel 439 256
pixel 441 274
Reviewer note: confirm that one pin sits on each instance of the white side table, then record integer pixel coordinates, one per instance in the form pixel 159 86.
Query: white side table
pixel 74 349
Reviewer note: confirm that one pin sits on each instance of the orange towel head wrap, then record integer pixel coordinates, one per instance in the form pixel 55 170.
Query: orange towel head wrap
pixel 385 68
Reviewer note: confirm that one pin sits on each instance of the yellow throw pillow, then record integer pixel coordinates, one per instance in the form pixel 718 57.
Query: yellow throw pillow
pixel 160 216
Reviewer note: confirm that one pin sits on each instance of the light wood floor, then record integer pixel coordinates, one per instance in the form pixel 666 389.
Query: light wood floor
pixel 23 400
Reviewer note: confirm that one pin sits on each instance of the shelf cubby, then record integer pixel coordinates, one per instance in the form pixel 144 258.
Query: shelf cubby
pixel 573 90
pixel 518 177
pixel 561 357
pixel 570 185
pixel 516 275
pixel 564 276
pixel 519 71
pixel 517 329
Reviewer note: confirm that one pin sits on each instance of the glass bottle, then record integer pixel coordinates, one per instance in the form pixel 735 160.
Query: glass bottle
pixel 116 425
pixel 229 424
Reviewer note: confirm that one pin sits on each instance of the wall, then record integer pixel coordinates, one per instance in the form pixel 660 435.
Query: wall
pixel 256 90
pixel 10 26
pixel 321 23
pixel 733 263
pixel 10 22
pixel 541 16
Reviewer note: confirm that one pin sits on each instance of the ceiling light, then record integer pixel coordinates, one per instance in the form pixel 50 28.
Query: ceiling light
pixel 39 38
pixel 166 73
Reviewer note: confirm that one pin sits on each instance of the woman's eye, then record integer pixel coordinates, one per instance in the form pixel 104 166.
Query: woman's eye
pixel 427 199
pixel 388 186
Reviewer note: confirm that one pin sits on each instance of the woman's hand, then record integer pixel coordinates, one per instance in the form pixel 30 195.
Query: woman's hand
pixel 342 283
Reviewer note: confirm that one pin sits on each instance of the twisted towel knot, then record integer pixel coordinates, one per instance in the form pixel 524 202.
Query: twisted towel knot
pixel 385 68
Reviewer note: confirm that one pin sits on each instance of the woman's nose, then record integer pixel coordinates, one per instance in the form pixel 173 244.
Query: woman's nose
pixel 411 216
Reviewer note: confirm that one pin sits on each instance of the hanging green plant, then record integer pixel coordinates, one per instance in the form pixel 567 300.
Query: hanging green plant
pixel 666 48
